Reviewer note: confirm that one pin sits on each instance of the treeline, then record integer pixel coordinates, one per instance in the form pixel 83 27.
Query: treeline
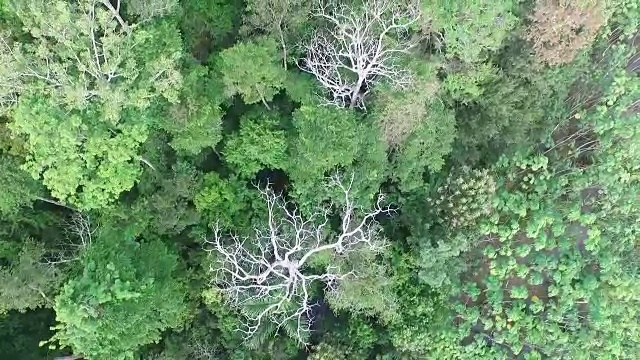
pixel 319 179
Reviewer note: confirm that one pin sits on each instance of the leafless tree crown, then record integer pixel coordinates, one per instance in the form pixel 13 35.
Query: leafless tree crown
pixel 360 46
pixel 267 272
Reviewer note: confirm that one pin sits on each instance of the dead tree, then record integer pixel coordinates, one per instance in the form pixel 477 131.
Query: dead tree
pixel 266 277
pixel 360 47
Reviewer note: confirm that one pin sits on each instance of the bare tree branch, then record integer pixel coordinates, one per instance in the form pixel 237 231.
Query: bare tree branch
pixel 116 14
pixel 265 276
pixel 54 203
pixel 360 48
pixel 80 233
pixel 80 226
pixel 146 162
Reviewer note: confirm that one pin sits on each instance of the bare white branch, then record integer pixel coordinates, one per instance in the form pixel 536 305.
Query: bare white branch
pixel 80 226
pixel 266 275
pixel 79 232
pixel 115 12
pixel 360 47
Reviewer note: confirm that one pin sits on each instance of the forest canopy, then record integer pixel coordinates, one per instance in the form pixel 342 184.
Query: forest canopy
pixel 319 179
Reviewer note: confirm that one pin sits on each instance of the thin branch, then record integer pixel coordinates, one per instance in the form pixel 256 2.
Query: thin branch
pixel 146 162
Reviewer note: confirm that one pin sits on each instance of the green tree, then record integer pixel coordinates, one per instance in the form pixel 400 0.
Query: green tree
pixel 22 332
pixel 329 140
pixel 302 88
pixel 164 205
pixel 325 351
pixel 208 24
pixel 281 19
pixel 125 294
pixel 19 188
pixel 426 148
pixel 28 281
pixel 252 70
pixel 510 104
pixel 195 122
pixel 226 202
pixel 259 144
pixel 478 27
pixel 84 105
pixel 326 138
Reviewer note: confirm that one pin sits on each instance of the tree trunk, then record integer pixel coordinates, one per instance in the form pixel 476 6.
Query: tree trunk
pixel 116 13
pixel 284 47
pixel 355 92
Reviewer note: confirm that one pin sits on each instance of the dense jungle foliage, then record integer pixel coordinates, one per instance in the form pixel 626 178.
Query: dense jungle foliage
pixel 319 179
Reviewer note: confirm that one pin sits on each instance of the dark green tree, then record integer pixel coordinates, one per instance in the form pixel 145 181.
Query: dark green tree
pixel 259 144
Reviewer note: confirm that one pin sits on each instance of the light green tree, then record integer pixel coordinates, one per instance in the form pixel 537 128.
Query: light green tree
pixel 426 147
pixel 370 293
pixel 400 112
pixel 252 70
pixel 147 10
pixel 87 166
pixel 470 29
